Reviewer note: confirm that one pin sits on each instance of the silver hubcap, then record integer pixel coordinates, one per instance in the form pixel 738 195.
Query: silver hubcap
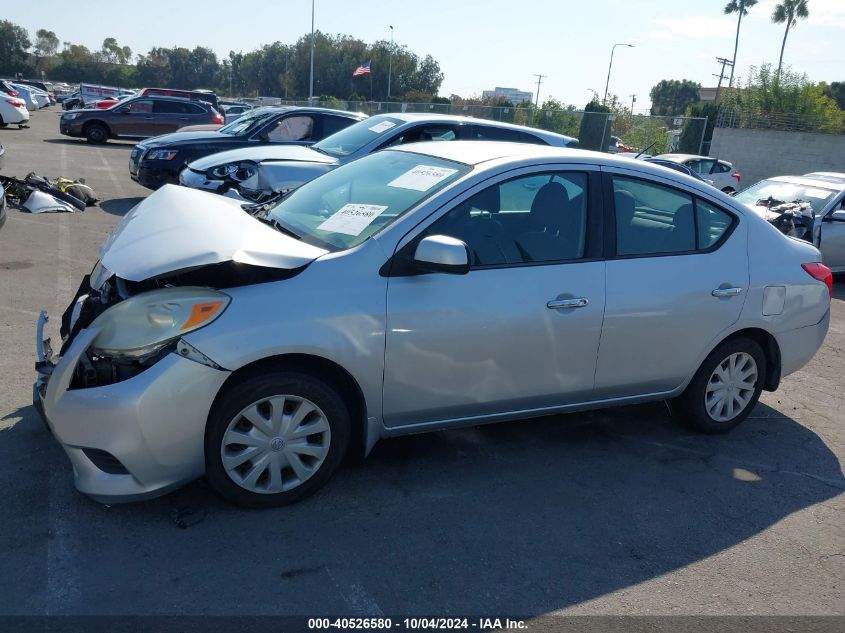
pixel 275 444
pixel 731 387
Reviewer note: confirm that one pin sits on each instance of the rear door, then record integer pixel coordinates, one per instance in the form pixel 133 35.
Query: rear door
pixel 677 281
pixel 169 116
pixel 135 118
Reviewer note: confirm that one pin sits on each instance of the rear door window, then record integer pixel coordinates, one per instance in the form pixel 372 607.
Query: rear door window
pixel 170 107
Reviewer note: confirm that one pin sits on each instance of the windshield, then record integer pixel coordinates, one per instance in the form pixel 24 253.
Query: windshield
pixel 780 192
pixel 344 207
pixel 351 139
pixel 248 123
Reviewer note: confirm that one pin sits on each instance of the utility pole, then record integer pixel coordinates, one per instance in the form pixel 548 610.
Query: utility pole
pixel 390 63
pixel 311 84
pixel 721 75
pixel 540 79
pixel 633 101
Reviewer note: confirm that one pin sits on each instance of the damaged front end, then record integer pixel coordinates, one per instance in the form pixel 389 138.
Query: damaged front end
pixel 795 219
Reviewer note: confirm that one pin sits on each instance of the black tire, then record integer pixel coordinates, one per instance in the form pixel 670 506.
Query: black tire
pixel 690 406
pixel 252 389
pixel 2 122
pixel 96 133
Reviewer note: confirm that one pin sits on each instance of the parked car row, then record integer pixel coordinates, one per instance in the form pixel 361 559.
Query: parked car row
pixel 13 109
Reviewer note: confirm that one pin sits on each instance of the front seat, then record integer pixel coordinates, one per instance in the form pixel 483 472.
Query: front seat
pixel 554 226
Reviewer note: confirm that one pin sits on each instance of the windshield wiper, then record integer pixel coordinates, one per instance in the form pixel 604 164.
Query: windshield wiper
pixel 280 227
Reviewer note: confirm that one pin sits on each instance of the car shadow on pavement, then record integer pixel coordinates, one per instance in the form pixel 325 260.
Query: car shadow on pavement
pixel 119 206
pixel 524 517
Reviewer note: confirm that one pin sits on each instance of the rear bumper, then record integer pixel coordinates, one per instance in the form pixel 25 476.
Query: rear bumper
pixel 150 428
pixel 16 116
pixel 798 346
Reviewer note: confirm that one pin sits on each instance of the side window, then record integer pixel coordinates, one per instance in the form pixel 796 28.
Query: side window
pixel 292 128
pixel 193 108
pixel 142 106
pixel 332 124
pixel 485 133
pixel 539 218
pixel 652 219
pixel 423 133
pixel 712 223
pixel 169 107
pixel 721 168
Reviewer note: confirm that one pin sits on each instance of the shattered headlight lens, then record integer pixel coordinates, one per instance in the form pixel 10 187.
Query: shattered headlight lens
pixel 146 323
pixel 236 171
pixel 162 154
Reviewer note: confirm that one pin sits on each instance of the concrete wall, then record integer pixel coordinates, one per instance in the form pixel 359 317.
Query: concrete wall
pixel 759 154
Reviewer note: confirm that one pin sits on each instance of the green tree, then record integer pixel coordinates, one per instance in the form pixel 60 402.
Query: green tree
pixel 594 131
pixel 740 7
pixel 46 45
pixel 789 11
pixel 671 97
pixel 836 91
pixel 113 53
pixel 694 127
pixel 14 42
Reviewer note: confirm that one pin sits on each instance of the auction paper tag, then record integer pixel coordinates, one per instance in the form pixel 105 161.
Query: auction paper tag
pixel 421 177
pixel 378 128
pixel 351 219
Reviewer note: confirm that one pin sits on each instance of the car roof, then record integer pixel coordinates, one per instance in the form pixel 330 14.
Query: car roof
pixel 416 117
pixel 810 181
pixel 279 109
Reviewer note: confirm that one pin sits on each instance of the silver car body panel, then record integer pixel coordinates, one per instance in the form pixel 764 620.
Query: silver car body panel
pixel 439 350
pixel 177 228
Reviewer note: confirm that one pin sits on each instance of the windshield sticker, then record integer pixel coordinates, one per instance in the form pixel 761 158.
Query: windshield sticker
pixel 352 219
pixel 421 177
pixel 382 127
pixel 821 194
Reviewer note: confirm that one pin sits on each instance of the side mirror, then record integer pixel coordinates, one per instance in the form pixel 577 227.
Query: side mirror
pixel 837 216
pixel 442 254
pixel 123 111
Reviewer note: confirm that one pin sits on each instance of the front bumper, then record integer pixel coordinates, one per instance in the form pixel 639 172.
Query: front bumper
pixel 153 177
pixel 69 128
pixel 151 426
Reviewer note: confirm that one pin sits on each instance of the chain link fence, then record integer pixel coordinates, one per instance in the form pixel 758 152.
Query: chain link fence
pixel 600 131
pixel 782 121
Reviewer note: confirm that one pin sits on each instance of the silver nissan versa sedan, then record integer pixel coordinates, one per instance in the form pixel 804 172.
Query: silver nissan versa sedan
pixel 419 288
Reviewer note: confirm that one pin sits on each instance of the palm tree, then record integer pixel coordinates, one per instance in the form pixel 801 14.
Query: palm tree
pixel 740 7
pixel 789 11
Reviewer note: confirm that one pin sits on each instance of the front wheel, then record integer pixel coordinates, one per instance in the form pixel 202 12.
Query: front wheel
pixel 725 388
pixel 275 439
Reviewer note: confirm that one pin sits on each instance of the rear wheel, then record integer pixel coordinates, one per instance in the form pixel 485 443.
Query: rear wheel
pixel 2 122
pixel 96 133
pixel 725 388
pixel 275 439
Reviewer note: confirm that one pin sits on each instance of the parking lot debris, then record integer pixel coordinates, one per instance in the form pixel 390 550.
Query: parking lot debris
pixel 187 517
pixel 39 194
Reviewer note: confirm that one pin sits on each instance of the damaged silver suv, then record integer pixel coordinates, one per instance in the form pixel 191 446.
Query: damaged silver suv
pixel 423 287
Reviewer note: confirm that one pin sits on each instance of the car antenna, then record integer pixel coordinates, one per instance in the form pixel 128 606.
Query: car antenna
pixel 645 150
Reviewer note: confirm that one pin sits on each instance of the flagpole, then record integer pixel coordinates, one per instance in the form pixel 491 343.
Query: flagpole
pixel 311 83
pixel 371 83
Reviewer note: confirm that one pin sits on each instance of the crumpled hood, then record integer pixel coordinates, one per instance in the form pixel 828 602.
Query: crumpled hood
pixel 177 228
pixel 259 153
pixel 185 137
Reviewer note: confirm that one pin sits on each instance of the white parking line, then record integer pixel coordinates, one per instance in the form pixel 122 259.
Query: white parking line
pixel 356 597
pixel 62 582
pixel 112 176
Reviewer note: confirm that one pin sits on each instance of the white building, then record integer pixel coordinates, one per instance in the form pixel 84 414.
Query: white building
pixel 511 94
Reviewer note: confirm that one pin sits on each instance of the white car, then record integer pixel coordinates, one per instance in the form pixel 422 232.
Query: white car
pixel 720 172
pixel 12 110
pixel 33 98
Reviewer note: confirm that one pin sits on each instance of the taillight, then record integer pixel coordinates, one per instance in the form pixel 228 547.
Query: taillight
pixel 13 93
pixel 822 273
pixel 14 102
pixel 737 176
pixel 217 119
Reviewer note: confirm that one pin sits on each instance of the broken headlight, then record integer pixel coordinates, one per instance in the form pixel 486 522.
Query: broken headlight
pixel 236 171
pixel 143 325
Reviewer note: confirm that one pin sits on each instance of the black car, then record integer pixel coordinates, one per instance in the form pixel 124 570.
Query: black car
pixel 158 161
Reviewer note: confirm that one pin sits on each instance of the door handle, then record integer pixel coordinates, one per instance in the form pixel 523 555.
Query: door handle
pixel 726 292
pixel 567 303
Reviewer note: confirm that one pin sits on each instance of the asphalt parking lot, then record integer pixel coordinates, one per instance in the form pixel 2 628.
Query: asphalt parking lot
pixel 614 512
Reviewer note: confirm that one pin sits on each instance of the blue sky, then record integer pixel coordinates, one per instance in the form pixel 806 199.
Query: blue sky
pixel 483 43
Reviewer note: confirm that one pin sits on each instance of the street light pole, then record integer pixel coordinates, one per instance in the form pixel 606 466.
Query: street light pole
pixel 390 63
pixel 609 66
pixel 311 84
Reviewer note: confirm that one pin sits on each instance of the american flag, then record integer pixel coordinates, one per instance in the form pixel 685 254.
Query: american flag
pixel 363 69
